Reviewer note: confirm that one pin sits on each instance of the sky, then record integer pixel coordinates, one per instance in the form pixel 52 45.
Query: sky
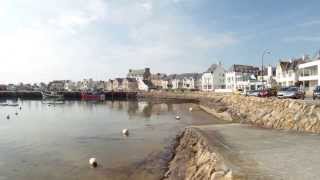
pixel 42 40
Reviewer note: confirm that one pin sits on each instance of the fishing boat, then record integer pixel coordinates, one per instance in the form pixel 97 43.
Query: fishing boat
pixel 52 95
pixel 93 96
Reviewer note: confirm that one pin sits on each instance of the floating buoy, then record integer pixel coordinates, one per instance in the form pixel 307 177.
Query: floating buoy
pixel 178 117
pixel 125 132
pixel 20 107
pixel 190 109
pixel 16 113
pixel 93 162
pixel 8 117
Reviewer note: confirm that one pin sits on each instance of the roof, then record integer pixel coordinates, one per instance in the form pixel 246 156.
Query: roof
pixel 138 72
pixel 185 75
pixel 291 65
pixel 158 76
pixel 120 80
pixel 243 68
pixel 131 79
pixel 212 68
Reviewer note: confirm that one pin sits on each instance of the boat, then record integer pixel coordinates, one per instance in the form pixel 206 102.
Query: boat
pixel 12 104
pixel 9 104
pixel 93 96
pixel 53 102
pixel 52 95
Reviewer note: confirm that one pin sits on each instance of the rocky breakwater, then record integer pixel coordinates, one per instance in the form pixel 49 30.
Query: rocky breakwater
pixel 196 159
pixel 266 112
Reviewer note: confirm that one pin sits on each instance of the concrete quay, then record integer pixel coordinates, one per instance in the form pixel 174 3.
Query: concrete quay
pixel 237 151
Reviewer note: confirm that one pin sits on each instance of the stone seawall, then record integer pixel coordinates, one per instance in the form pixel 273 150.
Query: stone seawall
pixel 265 112
pixel 272 113
pixel 195 159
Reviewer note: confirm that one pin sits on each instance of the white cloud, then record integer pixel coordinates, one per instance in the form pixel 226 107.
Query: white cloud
pixel 99 38
pixel 147 6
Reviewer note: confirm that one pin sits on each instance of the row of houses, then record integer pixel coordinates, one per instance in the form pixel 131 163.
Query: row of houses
pixel 304 72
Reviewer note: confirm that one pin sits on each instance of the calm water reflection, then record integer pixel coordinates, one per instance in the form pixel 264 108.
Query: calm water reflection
pixel 55 142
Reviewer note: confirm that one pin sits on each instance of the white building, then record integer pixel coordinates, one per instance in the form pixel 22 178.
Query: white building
pixel 87 85
pixel 185 81
pixel 268 78
pixel 309 75
pixel 165 83
pixel 287 72
pixel 70 86
pixel 213 78
pixel 143 77
pixel 243 77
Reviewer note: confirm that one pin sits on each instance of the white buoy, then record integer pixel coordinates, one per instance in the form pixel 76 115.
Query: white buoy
pixel 8 117
pixel 178 117
pixel 93 162
pixel 125 132
pixel 190 109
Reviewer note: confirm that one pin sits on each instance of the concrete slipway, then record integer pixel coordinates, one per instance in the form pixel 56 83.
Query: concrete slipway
pixel 257 153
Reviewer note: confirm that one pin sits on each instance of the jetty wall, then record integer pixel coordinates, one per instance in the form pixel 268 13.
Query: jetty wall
pixel 196 158
pixel 275 113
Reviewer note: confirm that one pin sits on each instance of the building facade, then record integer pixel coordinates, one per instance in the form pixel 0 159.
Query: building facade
pixel 213 78
pixel 189 81
pixel 287 72
pixel 243 77
pixel 309 75
pixel 143 77
pixel 118 84
pixel 130 85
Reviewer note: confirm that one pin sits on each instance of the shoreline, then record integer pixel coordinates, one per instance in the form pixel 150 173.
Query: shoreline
pixel 203 154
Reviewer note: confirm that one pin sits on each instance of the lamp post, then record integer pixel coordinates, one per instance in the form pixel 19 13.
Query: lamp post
pixel 263 54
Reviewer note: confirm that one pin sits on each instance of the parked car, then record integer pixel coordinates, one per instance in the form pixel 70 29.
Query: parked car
pixel 253 93
pixel 291 92
pixel 316 93
pixel 264 93
pixel 267 92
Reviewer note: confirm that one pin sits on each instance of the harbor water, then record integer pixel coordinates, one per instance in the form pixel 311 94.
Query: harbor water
pixel 55 141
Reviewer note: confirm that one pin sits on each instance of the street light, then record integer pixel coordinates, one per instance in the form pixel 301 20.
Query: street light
pixel 263 54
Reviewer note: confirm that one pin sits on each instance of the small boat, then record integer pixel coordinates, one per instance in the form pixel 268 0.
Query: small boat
pixel 52 95
pixel 9 104
pixel 13 104
pixel 53 102
pixel 93 96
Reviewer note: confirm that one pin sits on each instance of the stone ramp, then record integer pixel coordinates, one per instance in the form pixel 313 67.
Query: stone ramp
pixel 255 153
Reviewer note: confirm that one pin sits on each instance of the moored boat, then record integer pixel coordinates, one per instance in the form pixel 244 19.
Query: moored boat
pixel 93 96
pixel 52 95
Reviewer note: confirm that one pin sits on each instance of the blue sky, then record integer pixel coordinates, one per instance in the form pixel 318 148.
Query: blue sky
pixel 75 39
